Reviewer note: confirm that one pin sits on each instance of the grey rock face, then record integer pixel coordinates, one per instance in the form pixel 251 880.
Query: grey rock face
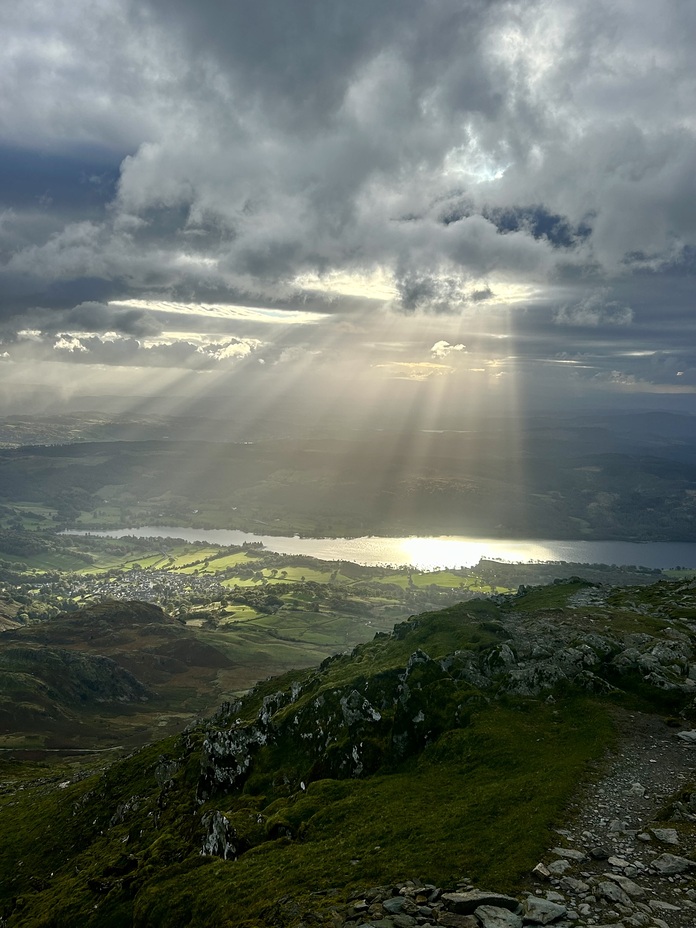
pixel 356 708
pixel 219 840
pixel 226 757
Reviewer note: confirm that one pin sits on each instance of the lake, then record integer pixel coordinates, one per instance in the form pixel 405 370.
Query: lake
pixel 437 552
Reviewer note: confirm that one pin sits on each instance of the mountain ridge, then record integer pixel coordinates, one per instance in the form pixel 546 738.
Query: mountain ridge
pixel 448 749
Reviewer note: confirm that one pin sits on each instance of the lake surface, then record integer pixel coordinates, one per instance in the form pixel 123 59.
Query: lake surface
pixel 432 553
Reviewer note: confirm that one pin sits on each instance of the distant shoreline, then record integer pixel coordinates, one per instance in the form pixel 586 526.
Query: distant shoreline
pixel 433 552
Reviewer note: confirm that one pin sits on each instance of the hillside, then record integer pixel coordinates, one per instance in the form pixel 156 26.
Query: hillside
pixel 446 751
pixel 115 673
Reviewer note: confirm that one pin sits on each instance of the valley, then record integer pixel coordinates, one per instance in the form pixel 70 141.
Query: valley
pixel 625 478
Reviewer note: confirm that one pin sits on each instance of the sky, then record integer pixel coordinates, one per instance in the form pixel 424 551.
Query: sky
pixel 472 205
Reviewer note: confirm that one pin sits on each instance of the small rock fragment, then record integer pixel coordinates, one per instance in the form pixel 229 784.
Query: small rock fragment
pixel 568 853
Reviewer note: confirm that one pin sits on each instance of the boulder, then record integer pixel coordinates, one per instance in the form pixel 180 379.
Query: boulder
pixel 491 916
pixel 542 911
pixel 666 835
pixel 467 903
pixel 669 864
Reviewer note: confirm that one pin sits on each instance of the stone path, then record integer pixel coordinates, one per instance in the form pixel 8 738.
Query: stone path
pixel 636 870
pixel 627 860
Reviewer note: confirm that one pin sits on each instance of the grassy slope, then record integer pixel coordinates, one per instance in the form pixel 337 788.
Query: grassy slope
pixel 478 801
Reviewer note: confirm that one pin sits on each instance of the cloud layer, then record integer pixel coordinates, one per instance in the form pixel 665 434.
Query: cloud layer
pixel 504 168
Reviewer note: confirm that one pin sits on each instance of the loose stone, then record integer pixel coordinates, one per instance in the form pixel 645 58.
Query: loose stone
pixel 669 864
pixel 628 886
pixel 613 893
pixel 666 835
pixel 491 916
pixel 467 903
pixel 542 911
pixel 619 862
pixel 568 853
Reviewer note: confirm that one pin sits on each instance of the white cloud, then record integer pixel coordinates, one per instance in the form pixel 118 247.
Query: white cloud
pixel 69 343
pixel 442 348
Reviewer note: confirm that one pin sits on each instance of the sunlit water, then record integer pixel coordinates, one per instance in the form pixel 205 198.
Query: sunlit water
pixel 441 552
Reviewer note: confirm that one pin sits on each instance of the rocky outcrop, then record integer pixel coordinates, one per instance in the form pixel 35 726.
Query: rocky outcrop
pixel 220 837
pixel 366 725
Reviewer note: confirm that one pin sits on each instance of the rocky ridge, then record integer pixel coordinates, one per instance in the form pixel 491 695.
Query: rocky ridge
pixel 612 867
pixel 349 731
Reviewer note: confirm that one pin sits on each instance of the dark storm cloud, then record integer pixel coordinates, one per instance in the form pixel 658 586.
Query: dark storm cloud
pixel 85 317
pixel 300 59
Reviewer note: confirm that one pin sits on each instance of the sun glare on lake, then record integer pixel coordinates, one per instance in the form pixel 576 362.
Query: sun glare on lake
pixel 433 553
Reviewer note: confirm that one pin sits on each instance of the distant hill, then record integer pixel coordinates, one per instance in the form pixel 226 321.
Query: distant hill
pixel 118 672
pixel 44 687
pixel 604 477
